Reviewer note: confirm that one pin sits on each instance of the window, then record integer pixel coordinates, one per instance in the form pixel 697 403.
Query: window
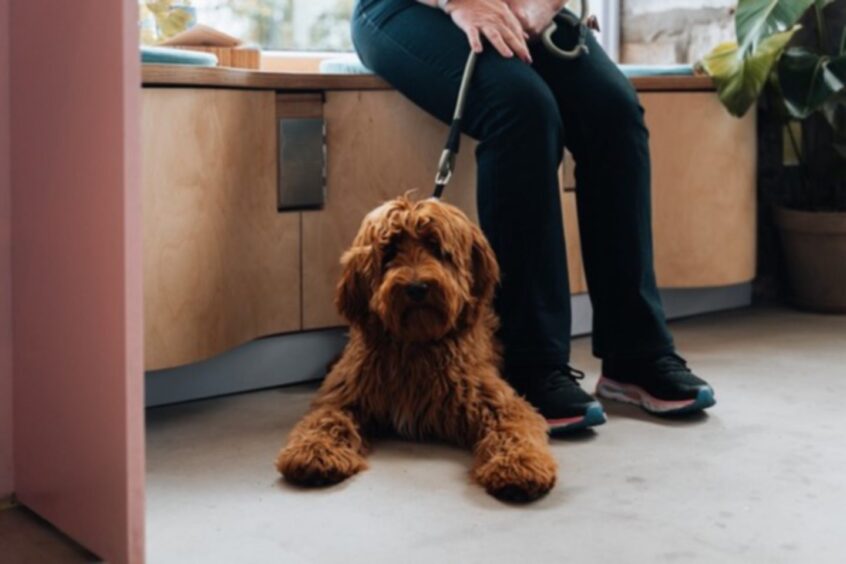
pixel 608 14
pixel 287 25
pixel 323 25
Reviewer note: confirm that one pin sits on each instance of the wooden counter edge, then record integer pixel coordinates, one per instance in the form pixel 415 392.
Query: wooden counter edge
pixel 217 77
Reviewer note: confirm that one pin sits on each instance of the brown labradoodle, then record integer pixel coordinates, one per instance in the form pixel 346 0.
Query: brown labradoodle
pixel 417 289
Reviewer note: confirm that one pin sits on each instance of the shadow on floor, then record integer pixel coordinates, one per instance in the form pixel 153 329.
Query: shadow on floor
pixel 26 537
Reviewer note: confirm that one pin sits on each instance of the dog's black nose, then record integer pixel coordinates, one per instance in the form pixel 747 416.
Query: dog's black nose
pixel 417 291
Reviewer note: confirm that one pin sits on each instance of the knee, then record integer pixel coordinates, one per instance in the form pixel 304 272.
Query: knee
pixel 526 110
pixel 617 106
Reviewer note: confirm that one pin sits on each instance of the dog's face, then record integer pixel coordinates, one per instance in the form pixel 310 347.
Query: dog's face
pixel 419 269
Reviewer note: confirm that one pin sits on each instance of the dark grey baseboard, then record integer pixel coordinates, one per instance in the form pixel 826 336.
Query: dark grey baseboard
pixel 299 357
pixel 677 303
pixel 264 363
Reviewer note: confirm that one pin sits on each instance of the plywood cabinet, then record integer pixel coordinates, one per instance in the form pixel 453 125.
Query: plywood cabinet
pixel 703 191
pixel 221 264
pixel 704 167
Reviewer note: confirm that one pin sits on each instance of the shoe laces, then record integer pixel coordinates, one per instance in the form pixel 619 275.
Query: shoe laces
pixel 671 363
pixel 564 377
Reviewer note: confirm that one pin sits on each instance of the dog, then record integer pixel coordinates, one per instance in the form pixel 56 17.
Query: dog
pixel 417 289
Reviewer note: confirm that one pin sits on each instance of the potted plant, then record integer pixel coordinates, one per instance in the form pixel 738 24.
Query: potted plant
pixel 791 55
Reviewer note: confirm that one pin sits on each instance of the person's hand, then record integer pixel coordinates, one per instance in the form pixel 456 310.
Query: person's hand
pixel 535 15
pixel 493 19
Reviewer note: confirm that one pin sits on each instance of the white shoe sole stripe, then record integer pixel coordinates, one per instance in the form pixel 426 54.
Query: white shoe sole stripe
pixel 627 393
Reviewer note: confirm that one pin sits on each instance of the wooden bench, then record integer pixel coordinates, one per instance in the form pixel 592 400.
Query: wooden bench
pixel 223 266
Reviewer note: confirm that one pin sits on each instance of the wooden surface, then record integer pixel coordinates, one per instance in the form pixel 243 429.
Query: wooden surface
pixel 299 105
pixel 242 57
pixel 175 75
pixel 210 281
pixel 221 265
pixel 372 158
pixel 704 197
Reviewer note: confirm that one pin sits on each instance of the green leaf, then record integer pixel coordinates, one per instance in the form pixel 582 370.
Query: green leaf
pixel 740 77
pixel 809 80
pixel 756 20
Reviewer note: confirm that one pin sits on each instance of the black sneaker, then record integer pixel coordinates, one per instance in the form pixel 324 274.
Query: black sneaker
pixel 662 385
pixel 558 397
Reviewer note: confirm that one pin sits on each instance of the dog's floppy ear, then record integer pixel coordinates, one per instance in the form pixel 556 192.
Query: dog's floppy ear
pixel 485 267
pixel 352 295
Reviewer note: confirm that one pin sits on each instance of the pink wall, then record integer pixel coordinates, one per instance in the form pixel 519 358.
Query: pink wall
pixel 76 269
pixel 6 476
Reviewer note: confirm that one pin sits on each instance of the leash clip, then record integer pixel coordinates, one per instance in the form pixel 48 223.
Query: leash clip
pixel 445 168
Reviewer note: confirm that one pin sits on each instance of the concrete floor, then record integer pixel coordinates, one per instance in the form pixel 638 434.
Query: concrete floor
pixel 25 538
pixel 759 479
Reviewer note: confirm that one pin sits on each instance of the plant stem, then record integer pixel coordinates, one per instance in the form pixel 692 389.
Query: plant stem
pixel 803 169
pixel 795 144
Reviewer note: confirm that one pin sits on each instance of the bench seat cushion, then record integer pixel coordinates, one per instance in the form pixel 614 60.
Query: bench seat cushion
pixel 169 56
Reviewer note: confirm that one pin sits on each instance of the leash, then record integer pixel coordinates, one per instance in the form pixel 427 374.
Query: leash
pixel 446 165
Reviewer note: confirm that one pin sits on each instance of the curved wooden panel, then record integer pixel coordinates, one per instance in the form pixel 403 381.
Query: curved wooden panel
pixel 704 165
pixel 221 264
pixel 223 267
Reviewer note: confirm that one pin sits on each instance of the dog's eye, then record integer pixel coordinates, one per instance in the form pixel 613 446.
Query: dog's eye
pixel 434 247
pixel 389 253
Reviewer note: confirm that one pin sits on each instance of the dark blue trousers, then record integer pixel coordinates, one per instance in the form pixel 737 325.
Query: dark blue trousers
pixel 523 117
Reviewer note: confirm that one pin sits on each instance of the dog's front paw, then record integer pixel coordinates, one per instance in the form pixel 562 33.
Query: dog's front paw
pixel 522 478
pixel 318 464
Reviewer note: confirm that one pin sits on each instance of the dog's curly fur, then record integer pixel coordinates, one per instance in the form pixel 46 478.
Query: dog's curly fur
pixel 424 367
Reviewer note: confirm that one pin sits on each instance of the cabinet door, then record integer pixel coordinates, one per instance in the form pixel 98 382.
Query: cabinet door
pixel 703 190
pixel 221 264
pixel 379 146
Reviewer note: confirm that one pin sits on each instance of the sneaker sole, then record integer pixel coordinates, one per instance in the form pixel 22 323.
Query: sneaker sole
pixel 635 395
pixel 594 415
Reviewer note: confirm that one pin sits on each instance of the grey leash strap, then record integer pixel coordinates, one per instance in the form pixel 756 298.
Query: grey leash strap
pixel 453 144
pixel 446 165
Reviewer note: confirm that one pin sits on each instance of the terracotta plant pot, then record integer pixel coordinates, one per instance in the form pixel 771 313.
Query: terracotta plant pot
pixel 815 251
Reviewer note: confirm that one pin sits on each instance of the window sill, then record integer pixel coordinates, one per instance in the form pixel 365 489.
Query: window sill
pixel 295 61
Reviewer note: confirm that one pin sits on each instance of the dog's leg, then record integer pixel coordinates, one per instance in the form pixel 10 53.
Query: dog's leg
pixel 324 448
pixel 513 460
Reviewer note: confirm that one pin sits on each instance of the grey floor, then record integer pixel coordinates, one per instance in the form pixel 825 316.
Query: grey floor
pixel 759 479
pixel 25 538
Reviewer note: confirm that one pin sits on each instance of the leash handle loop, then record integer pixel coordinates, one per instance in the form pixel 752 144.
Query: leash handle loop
pixel 579 22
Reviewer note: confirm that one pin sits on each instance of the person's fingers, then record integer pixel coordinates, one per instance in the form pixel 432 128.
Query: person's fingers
pixel 593 23
pixel 516 37
pixel 517 44
pixel 521 16
pixel 475 39
pixel 496 40
pixel 515 23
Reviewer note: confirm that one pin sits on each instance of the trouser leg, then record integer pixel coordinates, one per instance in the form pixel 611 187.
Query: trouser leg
pixel 608 138
pixel 515 117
